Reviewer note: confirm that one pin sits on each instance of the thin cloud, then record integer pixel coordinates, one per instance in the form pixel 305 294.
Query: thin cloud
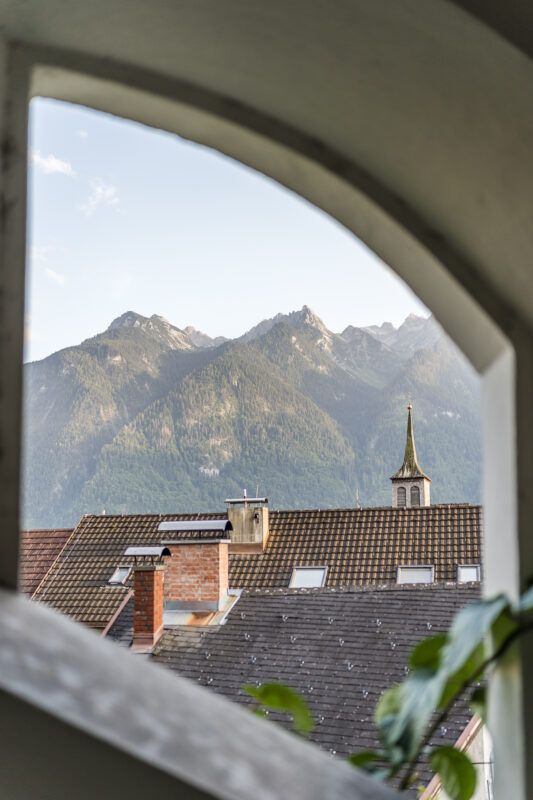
pixel 38 253
pixel 56 277
pixel 51 165
pixel 102 194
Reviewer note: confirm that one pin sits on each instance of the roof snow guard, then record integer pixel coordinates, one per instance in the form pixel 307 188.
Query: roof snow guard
pixel 193 530
pixel 410 467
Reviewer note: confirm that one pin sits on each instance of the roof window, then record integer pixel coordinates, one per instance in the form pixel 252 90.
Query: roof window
pixel 119 575
pixel 467 573
pixel 415 574
pixel 307 577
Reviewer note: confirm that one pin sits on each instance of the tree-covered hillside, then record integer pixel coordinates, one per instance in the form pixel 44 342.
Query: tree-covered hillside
pixel 145 417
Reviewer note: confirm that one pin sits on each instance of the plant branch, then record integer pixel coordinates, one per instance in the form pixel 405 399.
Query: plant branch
pixel 462 688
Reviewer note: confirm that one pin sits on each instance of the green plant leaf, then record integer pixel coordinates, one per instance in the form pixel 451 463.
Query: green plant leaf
pixel 364 757
pixel 468 630
pixel 478 702
pixel 456 771
pixel 386 712
pixel 420 695
pixel 283 698
pixel 502 627
pixel 455 681
pixel 426 655
pixel 389 703
pixel 525 603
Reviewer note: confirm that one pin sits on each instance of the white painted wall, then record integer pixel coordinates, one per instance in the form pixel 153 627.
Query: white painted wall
pixel 411 123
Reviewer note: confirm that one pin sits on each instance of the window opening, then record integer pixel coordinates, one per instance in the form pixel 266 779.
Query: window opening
pixel 307 577
pixel 402 499
pixel 415 496
pixel 415 574
pixel 467 573
pixel 119 575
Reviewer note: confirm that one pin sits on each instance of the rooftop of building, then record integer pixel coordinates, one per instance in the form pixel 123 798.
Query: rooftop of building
pixel 38 549
pixel 340 648
pixel 359 546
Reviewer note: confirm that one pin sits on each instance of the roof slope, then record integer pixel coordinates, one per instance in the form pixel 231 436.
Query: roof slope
pixel 341 649
pixel 363 546
pixel 359 546
pixel 38 551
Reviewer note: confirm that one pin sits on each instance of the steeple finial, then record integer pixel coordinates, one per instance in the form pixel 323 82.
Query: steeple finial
pixel 410 467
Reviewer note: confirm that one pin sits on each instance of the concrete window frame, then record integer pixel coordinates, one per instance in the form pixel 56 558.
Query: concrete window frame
pixel 300 571
pixel 442 275
pixel 406 571
pixel 463 569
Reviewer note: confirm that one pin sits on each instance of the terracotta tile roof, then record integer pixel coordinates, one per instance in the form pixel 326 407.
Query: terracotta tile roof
pixel 78 584
pixel 339 648
pixel 363 546
pixel 38 551
pixel 359 546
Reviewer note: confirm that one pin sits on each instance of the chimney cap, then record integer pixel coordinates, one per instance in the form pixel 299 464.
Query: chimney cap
pixel 141 552
pixel 197 525
pixel 237 500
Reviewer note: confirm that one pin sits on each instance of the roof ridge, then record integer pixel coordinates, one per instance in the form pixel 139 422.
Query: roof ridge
pixel 365 588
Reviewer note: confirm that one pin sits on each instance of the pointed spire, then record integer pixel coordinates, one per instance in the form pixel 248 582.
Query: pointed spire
pixel 410 467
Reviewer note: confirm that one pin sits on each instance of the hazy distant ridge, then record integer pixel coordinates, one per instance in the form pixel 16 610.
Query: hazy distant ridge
pixel 150 417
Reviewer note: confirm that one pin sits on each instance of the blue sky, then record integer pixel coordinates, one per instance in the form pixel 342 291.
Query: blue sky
pixel 122 217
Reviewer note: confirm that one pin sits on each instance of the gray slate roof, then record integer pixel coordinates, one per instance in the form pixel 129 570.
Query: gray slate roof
pixel 340 648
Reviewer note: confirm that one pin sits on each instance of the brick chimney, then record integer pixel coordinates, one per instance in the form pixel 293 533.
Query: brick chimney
pixel 147 606
pixel 148 581
pixel 196 571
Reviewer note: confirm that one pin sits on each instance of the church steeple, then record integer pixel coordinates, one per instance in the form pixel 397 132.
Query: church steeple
pixel 410 485
pixel 410 467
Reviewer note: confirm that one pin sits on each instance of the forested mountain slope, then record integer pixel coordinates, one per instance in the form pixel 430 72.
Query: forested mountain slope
pixel 148 417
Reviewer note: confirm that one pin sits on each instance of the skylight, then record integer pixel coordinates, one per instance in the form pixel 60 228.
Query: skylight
pixel 467 573
pixel 307 577
pixel 119 575
pixel 415 575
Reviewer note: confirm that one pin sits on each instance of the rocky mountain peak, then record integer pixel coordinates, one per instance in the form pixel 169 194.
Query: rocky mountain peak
pixel 130 319
pixel 413 321
pixel 201 339
pixel 156 326
pixel 296 319
pixel 306 316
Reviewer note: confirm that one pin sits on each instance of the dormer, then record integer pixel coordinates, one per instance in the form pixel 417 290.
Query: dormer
pixel 410 486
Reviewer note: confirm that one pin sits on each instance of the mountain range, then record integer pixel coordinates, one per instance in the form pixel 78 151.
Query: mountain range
pixel 147 417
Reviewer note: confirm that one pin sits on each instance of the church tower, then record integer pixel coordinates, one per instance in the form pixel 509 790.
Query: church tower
pixel 410 486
